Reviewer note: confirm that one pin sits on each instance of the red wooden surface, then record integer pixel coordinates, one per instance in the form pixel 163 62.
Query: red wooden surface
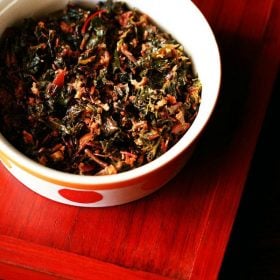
pixel 182 230
pixel 35 261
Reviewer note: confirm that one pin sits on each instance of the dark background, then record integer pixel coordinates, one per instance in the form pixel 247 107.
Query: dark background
pixel 254 248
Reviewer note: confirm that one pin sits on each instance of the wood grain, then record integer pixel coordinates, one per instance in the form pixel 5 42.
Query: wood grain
pixel 37 262
pixel 182 230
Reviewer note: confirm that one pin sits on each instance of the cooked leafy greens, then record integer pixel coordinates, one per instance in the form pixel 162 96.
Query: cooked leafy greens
pixel 95 91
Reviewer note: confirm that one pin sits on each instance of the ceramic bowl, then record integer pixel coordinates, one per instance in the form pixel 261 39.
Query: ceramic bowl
pixel 186 23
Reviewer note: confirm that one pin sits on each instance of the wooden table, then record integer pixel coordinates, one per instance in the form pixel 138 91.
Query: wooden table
pixel 182 230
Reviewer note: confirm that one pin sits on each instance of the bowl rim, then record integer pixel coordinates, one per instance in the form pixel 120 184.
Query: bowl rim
pixel 8 153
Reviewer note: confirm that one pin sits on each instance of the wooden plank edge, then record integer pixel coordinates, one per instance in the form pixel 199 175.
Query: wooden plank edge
pixel 19 258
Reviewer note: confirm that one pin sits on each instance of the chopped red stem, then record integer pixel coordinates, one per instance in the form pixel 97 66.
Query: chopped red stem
pixel 59 78
pixel 89 18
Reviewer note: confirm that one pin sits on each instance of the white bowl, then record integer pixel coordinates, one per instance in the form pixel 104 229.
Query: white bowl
pixel 185 22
